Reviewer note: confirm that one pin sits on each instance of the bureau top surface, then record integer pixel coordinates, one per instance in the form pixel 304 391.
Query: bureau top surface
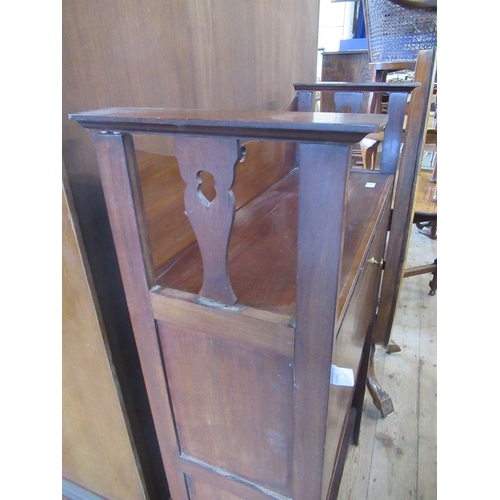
pixel 262 255
pixel 285 125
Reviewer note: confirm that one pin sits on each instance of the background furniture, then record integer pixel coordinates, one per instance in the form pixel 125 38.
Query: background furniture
pixel 425 211
pixel 347 66
pixel 402 216
pixel 397 32
pixel 260 302
pixel 352 66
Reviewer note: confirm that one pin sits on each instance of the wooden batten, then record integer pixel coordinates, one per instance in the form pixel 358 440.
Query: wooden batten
pixel 258 329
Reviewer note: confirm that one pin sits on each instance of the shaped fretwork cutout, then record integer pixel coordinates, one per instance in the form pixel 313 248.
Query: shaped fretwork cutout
pixel 206 187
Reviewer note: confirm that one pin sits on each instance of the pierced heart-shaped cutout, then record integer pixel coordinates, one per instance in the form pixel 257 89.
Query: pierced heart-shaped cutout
pixel 206 187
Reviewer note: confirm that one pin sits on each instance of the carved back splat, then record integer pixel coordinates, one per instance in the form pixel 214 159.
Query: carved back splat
pixel 211 220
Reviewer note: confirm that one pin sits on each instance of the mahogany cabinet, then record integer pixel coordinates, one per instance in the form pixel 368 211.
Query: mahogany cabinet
pixel 346 66
pixel 251 262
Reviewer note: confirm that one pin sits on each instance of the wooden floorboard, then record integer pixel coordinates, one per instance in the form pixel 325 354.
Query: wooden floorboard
pixel 396 457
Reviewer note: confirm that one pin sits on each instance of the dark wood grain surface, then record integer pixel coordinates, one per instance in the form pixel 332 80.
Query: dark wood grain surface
pixel 286 125
pixel 338 86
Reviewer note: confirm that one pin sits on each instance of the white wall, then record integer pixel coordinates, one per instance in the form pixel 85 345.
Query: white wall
pixel 335 24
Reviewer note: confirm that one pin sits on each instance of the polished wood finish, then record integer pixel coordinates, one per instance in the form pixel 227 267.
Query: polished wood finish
pixel 352 350
pixel 212 217
pixel 271 286
pixel 371 86
pixel 129 232
pixel 163 192
pixel 265 125
pixel 240 391
pixel 187 310
pixel 318 273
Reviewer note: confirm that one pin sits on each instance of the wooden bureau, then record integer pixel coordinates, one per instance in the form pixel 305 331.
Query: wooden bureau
pixel 251 262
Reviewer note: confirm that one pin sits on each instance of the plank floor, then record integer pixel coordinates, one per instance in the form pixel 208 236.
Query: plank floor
pixel 396 458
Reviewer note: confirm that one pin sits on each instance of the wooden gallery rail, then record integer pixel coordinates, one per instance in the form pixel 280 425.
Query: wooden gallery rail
pixel 251 272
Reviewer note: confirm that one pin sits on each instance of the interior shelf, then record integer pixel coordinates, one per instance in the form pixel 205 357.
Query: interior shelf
pixel 262 260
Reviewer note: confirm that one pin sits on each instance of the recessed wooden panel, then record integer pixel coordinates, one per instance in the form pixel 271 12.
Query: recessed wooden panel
pixel 201 487
pixel 232 405
pixel 199 490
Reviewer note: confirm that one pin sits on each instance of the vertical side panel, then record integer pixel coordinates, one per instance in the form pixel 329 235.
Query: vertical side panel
pixel 322 200
pixel 118 170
